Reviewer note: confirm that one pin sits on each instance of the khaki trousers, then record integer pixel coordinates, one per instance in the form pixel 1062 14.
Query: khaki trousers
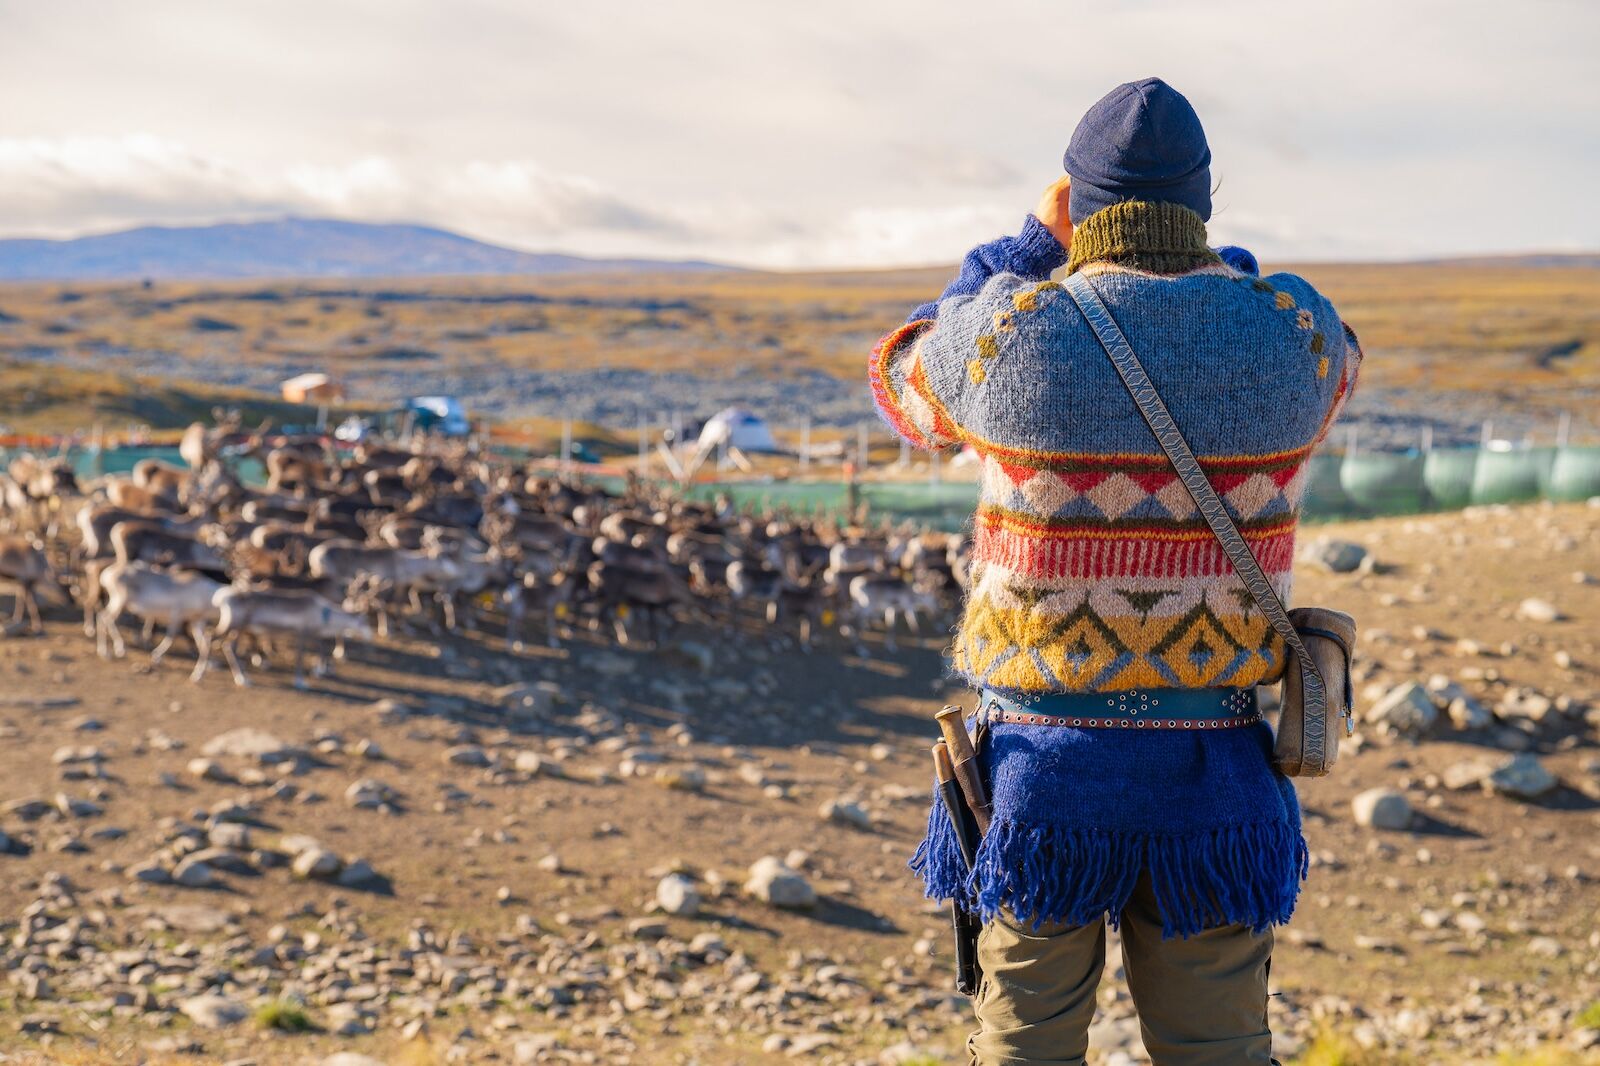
pixel 1201 1001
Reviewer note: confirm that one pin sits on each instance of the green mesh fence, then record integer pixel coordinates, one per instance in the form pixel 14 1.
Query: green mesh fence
pixel 1506 477
pixel 1447 474
pixel 1384 483
pixel 1337 486
pixel 1574 473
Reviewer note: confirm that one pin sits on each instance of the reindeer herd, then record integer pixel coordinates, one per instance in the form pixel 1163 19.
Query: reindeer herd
pixel 429 536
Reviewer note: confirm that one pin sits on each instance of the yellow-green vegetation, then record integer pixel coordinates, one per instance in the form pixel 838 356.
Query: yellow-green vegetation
pixel 1505 326
pixel 36 398
pixel 1589 1017
pixel 284 1016
pixel 1330 1048
pixel 1470 326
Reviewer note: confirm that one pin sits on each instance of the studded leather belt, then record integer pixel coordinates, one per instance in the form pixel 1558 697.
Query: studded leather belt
pixel 1135 708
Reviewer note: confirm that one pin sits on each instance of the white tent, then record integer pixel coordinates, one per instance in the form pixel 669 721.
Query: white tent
pixel 736 428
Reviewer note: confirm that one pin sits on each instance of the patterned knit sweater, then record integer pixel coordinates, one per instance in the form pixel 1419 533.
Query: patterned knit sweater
pixel 1092 570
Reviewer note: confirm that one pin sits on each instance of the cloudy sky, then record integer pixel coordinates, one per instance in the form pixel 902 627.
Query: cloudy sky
pixel 823 133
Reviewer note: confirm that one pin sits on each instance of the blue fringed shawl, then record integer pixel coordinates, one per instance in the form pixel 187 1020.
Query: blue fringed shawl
pixel 1078 813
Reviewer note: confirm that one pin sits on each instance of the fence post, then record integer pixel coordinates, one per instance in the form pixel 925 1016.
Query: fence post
pixel 805 444
pixel 1563 429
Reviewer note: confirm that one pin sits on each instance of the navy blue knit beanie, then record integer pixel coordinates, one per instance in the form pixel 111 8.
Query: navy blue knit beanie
pixel 1141 141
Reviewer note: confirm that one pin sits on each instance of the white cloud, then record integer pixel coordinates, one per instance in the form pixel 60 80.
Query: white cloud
pixel 830 133
pixel 58 187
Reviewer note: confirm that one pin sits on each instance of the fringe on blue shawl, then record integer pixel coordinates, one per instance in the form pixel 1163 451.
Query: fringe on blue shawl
pixel 1247 874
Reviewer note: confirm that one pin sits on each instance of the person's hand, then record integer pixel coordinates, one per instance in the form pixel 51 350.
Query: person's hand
pixel 1052 210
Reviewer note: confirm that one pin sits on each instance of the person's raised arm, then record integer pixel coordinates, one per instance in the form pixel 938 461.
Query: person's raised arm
pixel 920 381
pixel 1033 253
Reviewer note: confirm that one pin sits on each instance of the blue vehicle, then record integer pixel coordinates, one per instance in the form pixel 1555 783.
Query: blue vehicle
pixel 443 415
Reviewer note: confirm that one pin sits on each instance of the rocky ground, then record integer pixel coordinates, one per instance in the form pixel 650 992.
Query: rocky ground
pixel 447 853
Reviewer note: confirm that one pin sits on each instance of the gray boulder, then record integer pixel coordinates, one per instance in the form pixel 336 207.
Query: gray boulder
pixel 677 894
pixel 772 882
pixel 1382 808
pixel 251 743
pixel 212 1011
pixel 1406 709
pixel 1522 776
pixel 1337 556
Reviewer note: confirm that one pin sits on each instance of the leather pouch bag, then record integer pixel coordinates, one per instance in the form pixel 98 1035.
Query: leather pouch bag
pixel 1307 741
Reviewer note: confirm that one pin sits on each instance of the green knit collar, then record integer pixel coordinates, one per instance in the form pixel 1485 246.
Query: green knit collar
pixel 1153 236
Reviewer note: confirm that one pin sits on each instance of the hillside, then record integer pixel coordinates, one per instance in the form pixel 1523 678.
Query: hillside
pixel 290 247
pixel 1449 347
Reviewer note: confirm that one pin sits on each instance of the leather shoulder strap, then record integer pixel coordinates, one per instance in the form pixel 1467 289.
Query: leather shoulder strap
pixel 1194 479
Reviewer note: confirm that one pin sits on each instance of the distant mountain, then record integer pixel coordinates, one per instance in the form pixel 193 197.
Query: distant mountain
pixel 291 247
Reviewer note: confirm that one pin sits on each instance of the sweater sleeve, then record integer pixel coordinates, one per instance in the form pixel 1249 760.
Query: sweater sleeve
pixel 1350 369
pixel 928 377
pixel 1031 254
pixel 919 388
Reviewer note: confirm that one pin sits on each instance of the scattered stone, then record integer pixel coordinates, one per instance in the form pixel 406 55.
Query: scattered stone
pixel 368 793
pixel 315 863
pixel 1546 947
pixel 358 873
pixel 534 1049
pixel 1406 709
pixel 534 764
pixel 686 777
pixel 845 812
pixel 250 743
pixel 1337 556
pixel 192 872
pixel 208 770
pixel 1382 808
pixel 29 809
pixel 772 882
pixel 211 1011
pixel 466 755
pixel 647 929
pixel 1471 773
pixel 229 835
pixel 678 895
pixel 72 807
pixel 1521 776
pixel 1537 610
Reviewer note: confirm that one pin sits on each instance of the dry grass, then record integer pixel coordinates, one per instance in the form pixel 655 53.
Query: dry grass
pixel 1452 326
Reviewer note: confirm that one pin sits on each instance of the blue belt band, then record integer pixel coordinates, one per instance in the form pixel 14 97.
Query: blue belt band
pixel 1154 708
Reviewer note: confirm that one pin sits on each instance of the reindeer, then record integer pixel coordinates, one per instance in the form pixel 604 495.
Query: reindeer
pixel 23 562
pixel 552 595
pixel 201 447
pixel 780 597
pixel 37 488
pixel 343 561
pixel 874 596
pixel 180 598
pixel 155 544
pixel 163 479
pixel 305 614
pixel 618 589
